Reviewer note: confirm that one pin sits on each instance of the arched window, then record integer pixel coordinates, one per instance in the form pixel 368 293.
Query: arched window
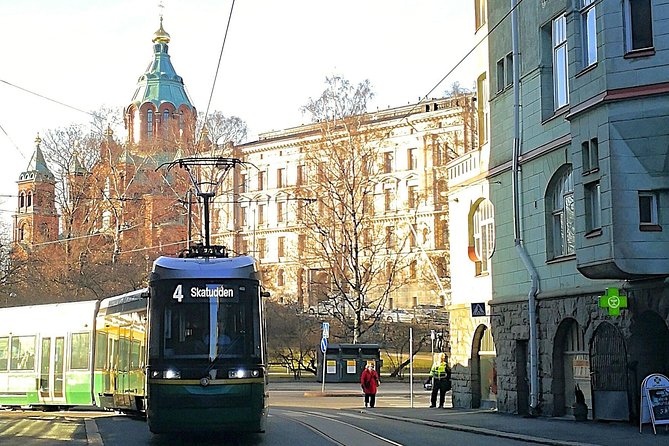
pixel 22 200
pixel 29 200
pixel 281 277
pixel 482 241
pixel 149 123
pixel 560 213
pixel 166 122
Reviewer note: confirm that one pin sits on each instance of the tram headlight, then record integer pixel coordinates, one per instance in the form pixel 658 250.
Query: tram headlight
pixel 238 373
pixel 171 374
pixel 242 373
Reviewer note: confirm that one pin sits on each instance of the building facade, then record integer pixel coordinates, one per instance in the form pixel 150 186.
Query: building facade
pixel 412 146
pixel 472 244
pixel 579 189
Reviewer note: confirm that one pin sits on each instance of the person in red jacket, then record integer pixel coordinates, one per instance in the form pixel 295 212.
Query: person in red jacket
pixel 369 381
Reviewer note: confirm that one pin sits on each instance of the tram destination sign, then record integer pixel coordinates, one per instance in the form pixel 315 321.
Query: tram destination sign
pixel 204 292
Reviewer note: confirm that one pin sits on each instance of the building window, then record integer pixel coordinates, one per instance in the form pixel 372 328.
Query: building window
pixel 301 243
pixel 29 199
pixel 261 214
pixel 166 122
pixel 481 13
pixel 483 108
pixel 22 200
pixel 412 236
pixel 390 237
pixel 413 270
pixel 560 205
pixel 261 180
pixel 368 204
pixel 508 76
pixel 262 247
pixel 280 211
pixel 500 75
pixel 413 197
pixel 242 183
pixel 590 154
pixel 300 175
pixel 149 123
pixel 638 24
pixel 387 162
pixel 593 208
pixel 280 177
pixel 648 209
pixel 281 246
pixel 387 199
pixel 560 73
pixel 483 235
pixel 589 26
pixel 412 159
pixel 281 277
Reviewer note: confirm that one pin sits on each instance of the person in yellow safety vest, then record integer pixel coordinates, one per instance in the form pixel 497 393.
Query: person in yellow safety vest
pixel 441 379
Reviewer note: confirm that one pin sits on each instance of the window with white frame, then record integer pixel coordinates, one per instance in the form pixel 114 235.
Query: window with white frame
pixel 589 26
pixel 648 215
pixel 483 234
pixel 638 24
pixel 560 71
pixel 560 206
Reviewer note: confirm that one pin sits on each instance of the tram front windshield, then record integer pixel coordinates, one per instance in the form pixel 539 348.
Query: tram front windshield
pixel 205 320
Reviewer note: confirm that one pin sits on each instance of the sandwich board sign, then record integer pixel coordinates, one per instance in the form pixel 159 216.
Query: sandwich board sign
pixel 654 401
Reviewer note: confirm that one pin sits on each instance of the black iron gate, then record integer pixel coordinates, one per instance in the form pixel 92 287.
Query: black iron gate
pixel 608 367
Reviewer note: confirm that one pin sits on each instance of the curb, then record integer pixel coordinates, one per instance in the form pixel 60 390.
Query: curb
pixel 481 431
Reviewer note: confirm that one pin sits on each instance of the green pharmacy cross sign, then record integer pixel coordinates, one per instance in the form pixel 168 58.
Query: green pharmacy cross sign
pixel 613 301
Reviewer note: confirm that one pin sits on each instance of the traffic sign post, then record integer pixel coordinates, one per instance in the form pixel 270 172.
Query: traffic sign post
pixel 324 349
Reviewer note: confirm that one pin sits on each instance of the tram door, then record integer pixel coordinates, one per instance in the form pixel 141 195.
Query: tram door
pixel 52 370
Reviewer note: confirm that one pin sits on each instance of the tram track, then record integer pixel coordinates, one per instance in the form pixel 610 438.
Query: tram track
pixel 328 429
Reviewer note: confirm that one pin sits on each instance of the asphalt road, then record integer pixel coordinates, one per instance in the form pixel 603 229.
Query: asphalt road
pixel 296 417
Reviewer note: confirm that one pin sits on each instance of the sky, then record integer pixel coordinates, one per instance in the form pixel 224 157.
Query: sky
pixel 89 53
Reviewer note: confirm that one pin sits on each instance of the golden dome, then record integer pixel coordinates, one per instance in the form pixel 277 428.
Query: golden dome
pixel 161 35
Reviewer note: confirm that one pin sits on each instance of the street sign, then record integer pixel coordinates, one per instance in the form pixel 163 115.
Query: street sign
pixel 324 345
pixel 326 330
pixel 478 309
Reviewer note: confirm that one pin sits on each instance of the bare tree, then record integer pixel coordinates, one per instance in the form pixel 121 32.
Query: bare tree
pixel 355 251
pixel 223 129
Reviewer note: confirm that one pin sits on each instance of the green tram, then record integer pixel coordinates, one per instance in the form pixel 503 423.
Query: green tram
pixel 75 353
pixel 206 355
pixel 189 350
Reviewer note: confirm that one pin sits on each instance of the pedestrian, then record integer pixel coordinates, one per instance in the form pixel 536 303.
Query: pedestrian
pixel 369 381
pixel 441 380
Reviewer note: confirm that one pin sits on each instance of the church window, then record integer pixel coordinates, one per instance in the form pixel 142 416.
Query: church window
pixel 29 201
pixel 22 200
pixel 149 123
pixel 166 122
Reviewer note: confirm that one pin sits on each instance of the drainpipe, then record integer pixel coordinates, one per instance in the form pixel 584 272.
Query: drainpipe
pixel 520 248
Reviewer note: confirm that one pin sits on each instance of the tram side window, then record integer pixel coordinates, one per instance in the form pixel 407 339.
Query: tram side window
pixel 23 353
pixel 100 350
pixel 134 355
pixel 79 351
pixel 4 353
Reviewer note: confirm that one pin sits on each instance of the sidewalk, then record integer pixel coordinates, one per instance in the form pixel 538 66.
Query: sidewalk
pixel 541 430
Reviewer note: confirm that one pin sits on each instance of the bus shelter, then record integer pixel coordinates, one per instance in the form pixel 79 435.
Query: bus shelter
pixel 345 362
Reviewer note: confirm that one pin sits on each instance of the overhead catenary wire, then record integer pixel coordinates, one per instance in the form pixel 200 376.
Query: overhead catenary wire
pixel 457 65
pixel 218 66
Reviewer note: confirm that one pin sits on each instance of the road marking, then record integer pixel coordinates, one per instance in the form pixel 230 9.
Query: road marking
pixel 92 435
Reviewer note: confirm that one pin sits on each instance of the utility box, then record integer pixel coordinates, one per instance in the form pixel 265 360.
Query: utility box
pixel 345 362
